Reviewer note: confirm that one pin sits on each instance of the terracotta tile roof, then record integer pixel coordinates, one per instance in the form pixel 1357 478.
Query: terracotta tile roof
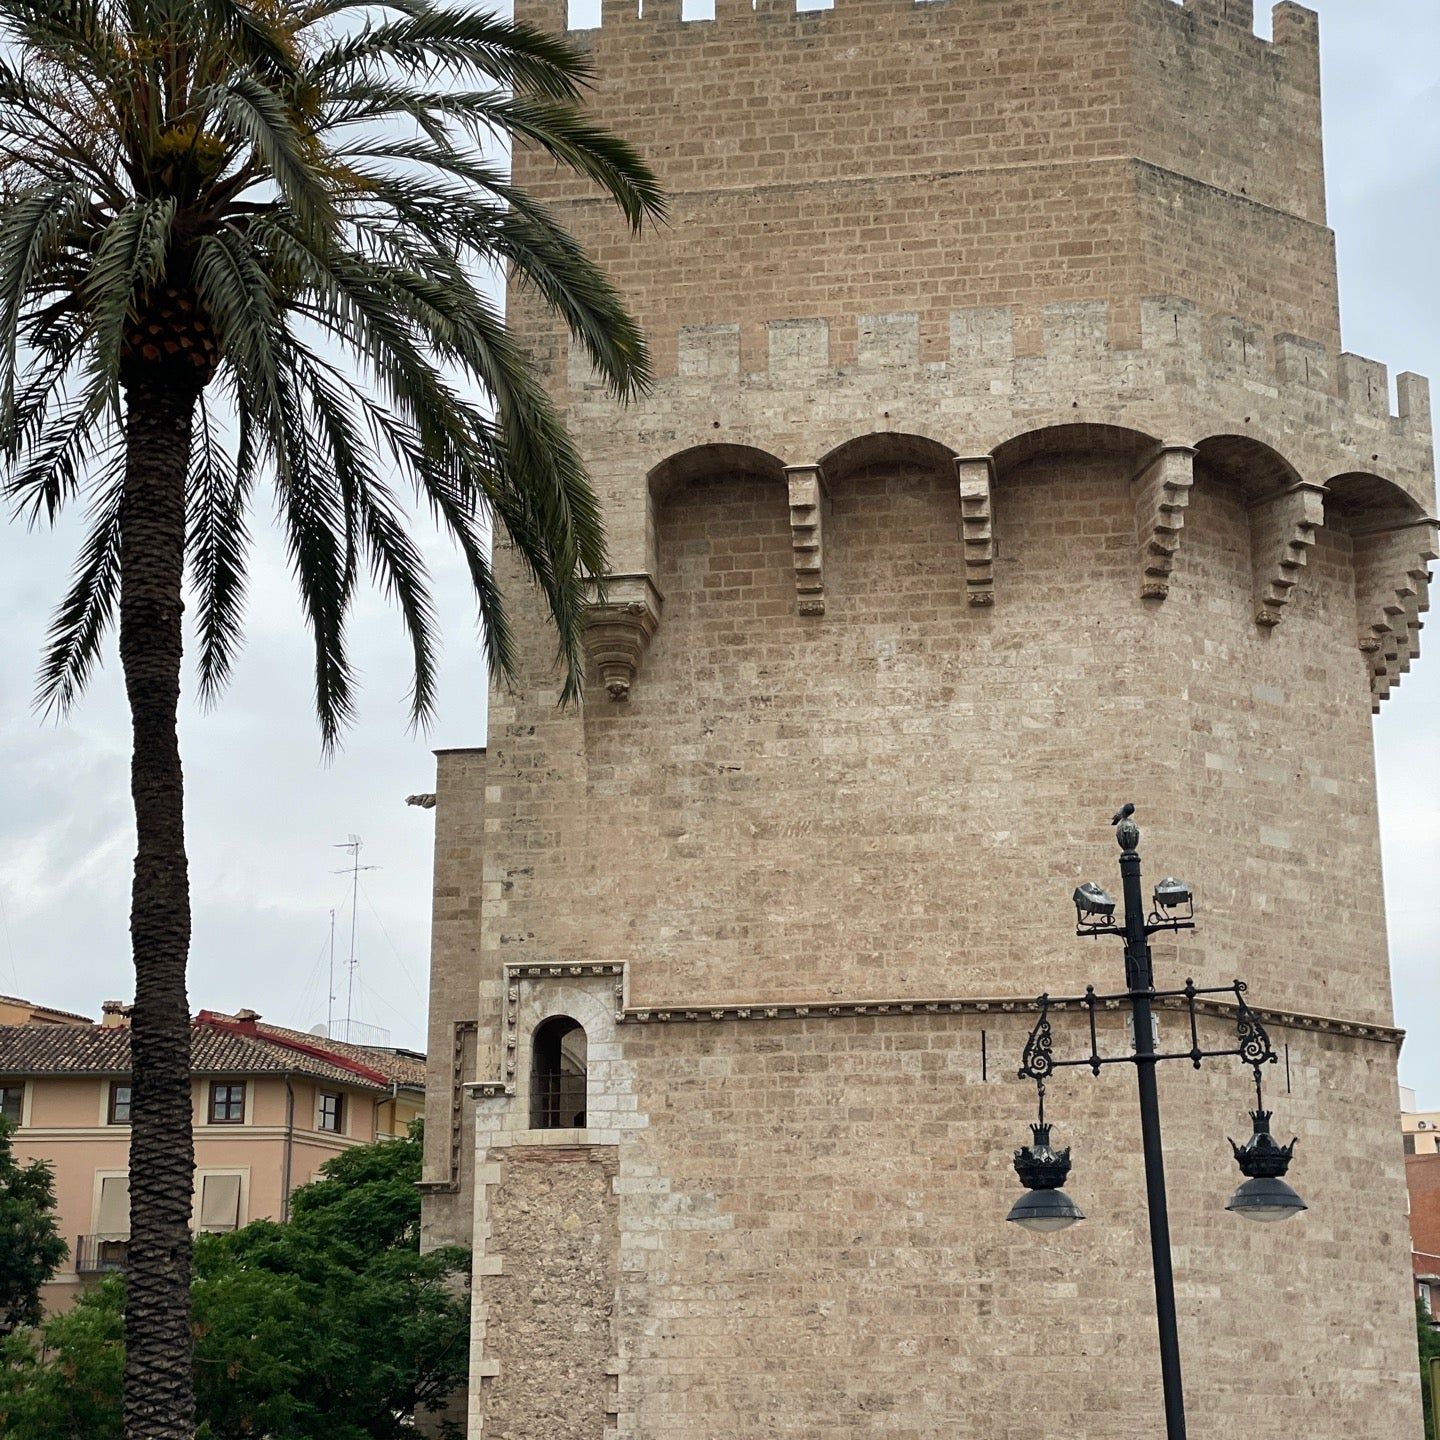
pixel 404 1067
pixel 43 1009
pixel 214 1050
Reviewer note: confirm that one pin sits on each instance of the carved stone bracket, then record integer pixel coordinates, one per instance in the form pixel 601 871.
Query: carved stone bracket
pixel 1282 530
pixel 618 630
pixel 807 503
pixel 1162 491
pixel 1392 591
pixel 976 475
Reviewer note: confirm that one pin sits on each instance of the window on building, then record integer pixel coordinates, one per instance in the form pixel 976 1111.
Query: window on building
pixel 1408 1143
pixel 219 1210
pixel 118 1111
pixel 557 1075
pixel 12 1103
pixel 227 1103
pixel 332 1112
pixel 112 1214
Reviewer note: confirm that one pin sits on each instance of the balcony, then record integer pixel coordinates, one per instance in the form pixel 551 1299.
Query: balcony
pixel 101 1254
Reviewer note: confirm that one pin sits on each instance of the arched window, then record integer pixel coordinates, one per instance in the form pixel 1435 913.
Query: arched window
pixel 557 1075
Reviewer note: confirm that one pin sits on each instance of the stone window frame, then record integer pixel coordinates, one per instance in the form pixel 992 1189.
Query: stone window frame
pixel 536 1031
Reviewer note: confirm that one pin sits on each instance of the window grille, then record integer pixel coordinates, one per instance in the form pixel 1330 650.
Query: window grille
pixel 557 1075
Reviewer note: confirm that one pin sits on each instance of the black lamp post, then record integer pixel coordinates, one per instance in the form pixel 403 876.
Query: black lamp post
pixel 1264 1195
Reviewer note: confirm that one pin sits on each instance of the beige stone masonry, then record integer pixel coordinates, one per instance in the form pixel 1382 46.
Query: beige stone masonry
pixel 619 626
pixel 806 488
pixel 1282 532
pixel 1162 491
pixel 976 476
pixel 1392 586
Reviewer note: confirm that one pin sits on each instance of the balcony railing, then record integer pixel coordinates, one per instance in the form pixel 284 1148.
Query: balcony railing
pixel 101 1254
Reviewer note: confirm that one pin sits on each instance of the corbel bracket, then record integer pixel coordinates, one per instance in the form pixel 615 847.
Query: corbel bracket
pixel 623 615
pixel 976 477
pixel 1161 489
pixel 1392 592
pixel 1282 530
pixel 806 485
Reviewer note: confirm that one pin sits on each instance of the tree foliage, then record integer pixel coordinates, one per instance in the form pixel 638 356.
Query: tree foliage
pixel 1429 1341
pixel 332 1326
pixel 31 1250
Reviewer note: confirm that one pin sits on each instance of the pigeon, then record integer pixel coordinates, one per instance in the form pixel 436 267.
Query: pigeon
pixel 1123 813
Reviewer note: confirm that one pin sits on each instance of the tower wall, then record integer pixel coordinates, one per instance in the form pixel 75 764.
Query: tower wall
pixel 1002 464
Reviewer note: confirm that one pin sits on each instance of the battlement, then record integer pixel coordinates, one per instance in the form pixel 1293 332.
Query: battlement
pixel 1188 86
pixel 1293 27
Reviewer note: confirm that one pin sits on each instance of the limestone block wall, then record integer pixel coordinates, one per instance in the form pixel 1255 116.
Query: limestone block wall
pixel 927 156
pixel 790 1221
pixel 1002 464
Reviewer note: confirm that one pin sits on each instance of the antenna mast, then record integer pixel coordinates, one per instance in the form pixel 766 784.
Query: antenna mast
pixel 354 845
pixel 330 989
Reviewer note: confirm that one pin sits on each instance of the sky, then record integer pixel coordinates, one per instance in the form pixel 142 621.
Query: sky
pixel 265 812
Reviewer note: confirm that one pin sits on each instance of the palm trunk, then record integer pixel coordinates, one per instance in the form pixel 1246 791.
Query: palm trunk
pixel 159 1385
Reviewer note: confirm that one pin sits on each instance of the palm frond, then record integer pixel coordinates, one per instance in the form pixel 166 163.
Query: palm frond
pixel 217 541
pixel 72 646
pixel 441 43
pixel 128 260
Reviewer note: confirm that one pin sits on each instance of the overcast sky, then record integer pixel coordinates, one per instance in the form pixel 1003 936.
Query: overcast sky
pixel 265 813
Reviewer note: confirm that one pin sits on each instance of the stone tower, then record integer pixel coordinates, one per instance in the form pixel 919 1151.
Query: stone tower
pixel 1003 465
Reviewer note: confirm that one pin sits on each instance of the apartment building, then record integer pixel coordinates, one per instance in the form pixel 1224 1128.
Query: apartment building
pixel 270 1106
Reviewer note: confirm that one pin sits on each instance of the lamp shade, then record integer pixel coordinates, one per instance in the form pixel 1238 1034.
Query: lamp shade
pixel 1266 1198
pixel 1045 1210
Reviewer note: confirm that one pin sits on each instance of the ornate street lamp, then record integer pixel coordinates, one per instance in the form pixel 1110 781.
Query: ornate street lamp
pixel 1042 1169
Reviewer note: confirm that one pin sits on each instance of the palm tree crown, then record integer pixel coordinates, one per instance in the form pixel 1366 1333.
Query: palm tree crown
pixel 247 240
pixel 291 209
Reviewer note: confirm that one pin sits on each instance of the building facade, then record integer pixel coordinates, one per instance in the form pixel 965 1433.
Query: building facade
pixel 270 1106
pixel 1004 463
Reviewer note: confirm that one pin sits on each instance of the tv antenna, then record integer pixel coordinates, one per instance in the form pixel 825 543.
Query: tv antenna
pixel 354 845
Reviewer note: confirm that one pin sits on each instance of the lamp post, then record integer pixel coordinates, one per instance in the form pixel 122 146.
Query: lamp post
pixel 1042 1169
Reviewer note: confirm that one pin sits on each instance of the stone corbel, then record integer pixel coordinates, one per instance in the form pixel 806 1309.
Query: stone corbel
pixel 807 503
pixel 1162 491
pixel 618 630
pixel 1392 592
pixel 1282 530
pixel 976 477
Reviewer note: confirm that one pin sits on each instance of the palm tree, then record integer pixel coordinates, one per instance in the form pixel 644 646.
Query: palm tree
pixel 246 241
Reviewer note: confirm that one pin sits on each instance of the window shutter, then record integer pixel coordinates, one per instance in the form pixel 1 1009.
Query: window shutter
pixel 219 1202
pixel 114 1214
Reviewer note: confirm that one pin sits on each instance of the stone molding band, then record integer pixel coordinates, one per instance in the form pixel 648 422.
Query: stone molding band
pixel 614 973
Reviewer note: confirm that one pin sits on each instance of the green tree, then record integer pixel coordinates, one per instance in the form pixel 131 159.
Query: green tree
pixel 332 1326
pixel 244 242
pixel 31 1249
pixel 1429 1339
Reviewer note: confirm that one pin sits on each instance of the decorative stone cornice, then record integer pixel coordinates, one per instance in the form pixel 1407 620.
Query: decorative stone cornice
pixel 1282 530
pixel 807 503
pixel 1162 491
pixel 618 629
pixel 1003 1005
pixel 976 476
